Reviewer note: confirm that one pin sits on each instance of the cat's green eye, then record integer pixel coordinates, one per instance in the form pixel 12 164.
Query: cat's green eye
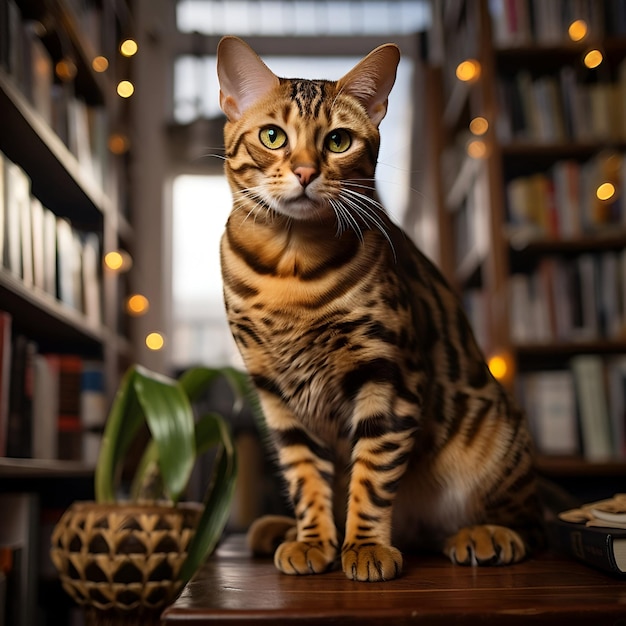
pixel 273 137
pixel 338 140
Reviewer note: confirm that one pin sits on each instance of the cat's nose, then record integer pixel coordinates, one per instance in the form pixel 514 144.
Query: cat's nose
pixel 306 174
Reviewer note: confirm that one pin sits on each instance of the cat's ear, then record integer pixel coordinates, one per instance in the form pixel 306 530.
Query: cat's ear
pixel 371 80
pixel 243 77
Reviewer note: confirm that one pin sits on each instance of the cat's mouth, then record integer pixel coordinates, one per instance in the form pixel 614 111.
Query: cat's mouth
pixel 306 205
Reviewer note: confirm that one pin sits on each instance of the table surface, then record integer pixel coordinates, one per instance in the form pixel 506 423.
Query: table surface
pixel 235 588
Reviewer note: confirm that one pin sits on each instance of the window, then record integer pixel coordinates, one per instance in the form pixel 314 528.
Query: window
pixel 301 17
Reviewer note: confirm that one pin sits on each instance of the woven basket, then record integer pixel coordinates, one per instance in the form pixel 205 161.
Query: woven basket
pixel 123 557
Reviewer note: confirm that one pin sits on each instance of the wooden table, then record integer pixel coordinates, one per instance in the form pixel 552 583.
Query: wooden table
pixel 234 588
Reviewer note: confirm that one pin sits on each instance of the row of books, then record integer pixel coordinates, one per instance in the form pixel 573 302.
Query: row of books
pixel 52 406
pixel 44 251
pixel 554 108
pixel 580 410
pixel 28 63
pixel 563 202
pixel 523 22
pixel 570 299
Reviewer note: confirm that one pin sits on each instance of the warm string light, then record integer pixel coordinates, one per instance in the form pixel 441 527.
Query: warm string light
pixel 479 126
pixel 477 149
pixel 118 261
pixel 125 89
pixel 100 64
pixel 65 69
pixel 468 70
pixel 155 341
pixel 593 58
pixel 118 143
pixel 605 191
pixel 501 366
pixel 128 47
pixel 137 304
pixel 577 30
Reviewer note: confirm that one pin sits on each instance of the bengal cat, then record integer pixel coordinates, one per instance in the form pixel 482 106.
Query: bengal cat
pixel 389 429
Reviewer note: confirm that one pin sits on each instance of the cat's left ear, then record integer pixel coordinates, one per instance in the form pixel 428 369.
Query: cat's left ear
pixel 371 80
pixel 243 77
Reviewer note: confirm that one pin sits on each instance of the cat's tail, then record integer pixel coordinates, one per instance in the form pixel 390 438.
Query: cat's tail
pixel 268 532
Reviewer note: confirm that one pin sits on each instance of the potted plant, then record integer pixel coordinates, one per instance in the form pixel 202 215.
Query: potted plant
pixel 124 557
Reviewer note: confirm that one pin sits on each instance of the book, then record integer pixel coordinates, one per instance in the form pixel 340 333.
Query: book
pixel 19 427
pixel 37 227
pixel 3 209
pixel 550 401
pixel 588 372
pixel 26 240
pixel 91 283
pixel 49 252
pixel 41 74
pixel 69 420
pixel 45 407
pixel 93 409
pixel 17 199
pixel 616 374
pixel 5 377
pixel 68 265
pixel 601 548
pixel 594 534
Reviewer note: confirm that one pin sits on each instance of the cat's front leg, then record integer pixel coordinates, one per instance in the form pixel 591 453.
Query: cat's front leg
pixel 381 449
pixel 308 469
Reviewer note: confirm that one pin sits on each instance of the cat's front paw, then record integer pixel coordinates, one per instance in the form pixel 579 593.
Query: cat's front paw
pixel 298 557
pixel 485 545
pixel 371 563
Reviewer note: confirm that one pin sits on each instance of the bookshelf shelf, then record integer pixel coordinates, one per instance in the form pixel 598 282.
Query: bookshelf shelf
pixel 43 469
pixel 35 309
pixel 545 150
pixel 553 56
pixel 58 180
pixel 571 466
pixel 609 240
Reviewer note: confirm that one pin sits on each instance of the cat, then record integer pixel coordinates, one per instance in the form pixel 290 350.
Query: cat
pixel 389 429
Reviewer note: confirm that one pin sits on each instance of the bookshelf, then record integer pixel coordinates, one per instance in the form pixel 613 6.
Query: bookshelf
pixel 512 171
pixel 55 131
pixel 63 205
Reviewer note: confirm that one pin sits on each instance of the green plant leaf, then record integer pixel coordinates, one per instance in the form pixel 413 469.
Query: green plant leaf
pixel 196 380
pixel 147 483
pixel 122 424
pixel 165 407
pixel 170 419
pixel 212 429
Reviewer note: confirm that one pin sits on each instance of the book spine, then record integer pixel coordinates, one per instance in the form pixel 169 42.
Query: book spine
pixel 592 548
pixel 5 377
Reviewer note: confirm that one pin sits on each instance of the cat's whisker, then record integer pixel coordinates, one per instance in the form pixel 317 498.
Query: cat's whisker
pixel 344 216
pixel 367 208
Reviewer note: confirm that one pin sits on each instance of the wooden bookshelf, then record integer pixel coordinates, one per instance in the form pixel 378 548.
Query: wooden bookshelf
pixel 55 133
pixel 485 248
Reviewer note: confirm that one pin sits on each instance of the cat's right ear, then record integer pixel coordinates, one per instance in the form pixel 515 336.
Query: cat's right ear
pixel 243 77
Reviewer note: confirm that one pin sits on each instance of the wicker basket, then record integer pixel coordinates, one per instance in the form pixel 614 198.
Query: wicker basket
pixel 123 557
